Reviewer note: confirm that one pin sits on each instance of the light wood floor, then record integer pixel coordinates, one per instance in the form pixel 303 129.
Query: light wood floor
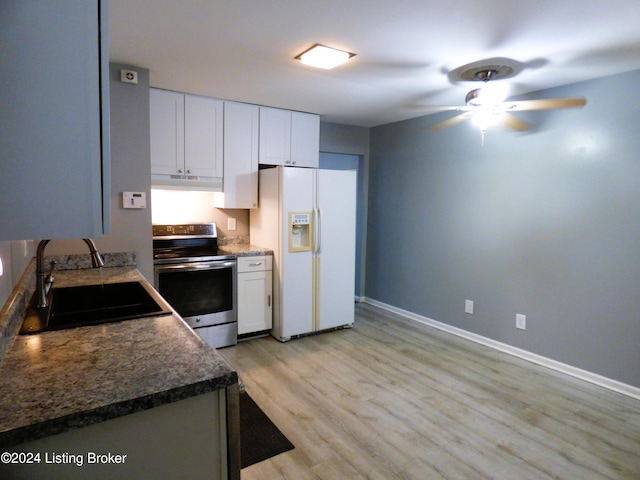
pixel 392 399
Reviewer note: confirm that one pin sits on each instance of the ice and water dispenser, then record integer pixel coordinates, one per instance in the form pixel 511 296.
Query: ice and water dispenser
pixel 300 231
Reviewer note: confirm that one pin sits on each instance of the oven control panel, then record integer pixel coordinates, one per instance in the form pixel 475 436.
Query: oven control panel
pixel 187 229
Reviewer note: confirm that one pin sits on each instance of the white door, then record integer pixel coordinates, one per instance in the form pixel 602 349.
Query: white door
pixel 336 247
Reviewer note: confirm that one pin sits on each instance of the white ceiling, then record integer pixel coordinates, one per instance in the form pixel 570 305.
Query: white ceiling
pixel 243 49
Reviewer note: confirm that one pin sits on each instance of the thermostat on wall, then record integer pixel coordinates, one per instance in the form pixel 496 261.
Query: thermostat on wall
pixel 134 200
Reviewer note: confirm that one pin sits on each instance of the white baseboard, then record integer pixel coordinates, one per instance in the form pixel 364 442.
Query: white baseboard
pixel 594 378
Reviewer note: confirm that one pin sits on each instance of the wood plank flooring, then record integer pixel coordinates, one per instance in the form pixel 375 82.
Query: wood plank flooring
pixel 393 399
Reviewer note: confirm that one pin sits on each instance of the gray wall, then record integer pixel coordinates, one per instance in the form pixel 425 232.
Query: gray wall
pixel 545 224
pixel 130 172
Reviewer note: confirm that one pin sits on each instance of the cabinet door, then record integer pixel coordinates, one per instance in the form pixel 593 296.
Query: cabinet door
pixel 241 129
pixel 166 111
pixel 203 130
pixel 275 136
pixel 305 139
pixel 254 301
pixel 54 104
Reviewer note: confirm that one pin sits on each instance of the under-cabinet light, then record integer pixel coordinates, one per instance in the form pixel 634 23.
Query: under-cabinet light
pixel 321 56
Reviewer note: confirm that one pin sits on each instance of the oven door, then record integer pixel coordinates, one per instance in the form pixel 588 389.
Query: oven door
pixel 203 293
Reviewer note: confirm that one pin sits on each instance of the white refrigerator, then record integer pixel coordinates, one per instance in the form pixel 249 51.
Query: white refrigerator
pixel 307 216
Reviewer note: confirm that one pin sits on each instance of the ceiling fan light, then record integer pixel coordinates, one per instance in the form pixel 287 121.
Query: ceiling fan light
pixel 493 94
pixel 324 57
pixel 485 118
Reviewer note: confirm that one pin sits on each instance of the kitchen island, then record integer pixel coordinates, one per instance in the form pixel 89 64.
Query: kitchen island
pixel 142 398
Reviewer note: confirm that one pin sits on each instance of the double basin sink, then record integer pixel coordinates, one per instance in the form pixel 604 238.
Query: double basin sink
pixel 70 307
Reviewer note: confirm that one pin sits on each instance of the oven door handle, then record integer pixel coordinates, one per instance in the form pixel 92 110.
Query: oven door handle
pixel 197 266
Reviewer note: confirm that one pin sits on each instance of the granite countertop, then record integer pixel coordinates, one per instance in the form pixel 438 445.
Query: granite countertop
pixel 244 250
pixel 60 380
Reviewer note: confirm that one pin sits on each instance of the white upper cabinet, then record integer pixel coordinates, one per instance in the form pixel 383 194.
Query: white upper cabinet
pixel 167 132
pixel 54 166
pixel 305 139
pixel 186 140
pixel 203 136
pixel 275 136
pixel 194 140
pixel 289 138
pixel 241 135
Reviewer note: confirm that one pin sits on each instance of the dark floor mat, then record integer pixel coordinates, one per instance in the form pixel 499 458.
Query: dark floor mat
pixel 259 437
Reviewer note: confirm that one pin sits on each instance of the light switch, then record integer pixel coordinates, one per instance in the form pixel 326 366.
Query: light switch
pixel 468 307
pixel 231 223
pixel 134 200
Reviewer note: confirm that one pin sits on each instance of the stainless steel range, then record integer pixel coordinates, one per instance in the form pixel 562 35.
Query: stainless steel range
pixel 198 281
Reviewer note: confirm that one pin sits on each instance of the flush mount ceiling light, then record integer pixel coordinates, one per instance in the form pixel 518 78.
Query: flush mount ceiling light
pixel 321 56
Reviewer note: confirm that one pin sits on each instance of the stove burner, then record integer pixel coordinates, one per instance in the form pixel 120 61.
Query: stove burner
pixel 186 243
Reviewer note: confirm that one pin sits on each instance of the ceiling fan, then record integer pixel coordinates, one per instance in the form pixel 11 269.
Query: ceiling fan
pixel 486 105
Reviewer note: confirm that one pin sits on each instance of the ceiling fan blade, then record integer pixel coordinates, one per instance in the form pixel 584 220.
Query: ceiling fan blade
pixel 514 123
pixel 450 121
pixel 545 104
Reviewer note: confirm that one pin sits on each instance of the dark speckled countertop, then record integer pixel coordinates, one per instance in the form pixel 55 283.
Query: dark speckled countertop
pixel 59 380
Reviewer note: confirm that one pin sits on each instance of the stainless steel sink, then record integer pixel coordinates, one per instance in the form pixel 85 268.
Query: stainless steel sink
pixel 94 304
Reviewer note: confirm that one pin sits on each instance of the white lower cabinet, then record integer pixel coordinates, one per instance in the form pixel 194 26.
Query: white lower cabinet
pixel 255 298
pixel 187 439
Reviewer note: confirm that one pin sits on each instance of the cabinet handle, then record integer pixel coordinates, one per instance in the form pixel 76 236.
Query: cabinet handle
pixel 188 171
pixel 179 170
pixel 268 300
pixel 255 264
pixel 294 162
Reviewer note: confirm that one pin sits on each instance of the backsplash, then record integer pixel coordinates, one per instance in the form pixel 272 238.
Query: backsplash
pixel 83 261
pixel 178 206
pixel 239 240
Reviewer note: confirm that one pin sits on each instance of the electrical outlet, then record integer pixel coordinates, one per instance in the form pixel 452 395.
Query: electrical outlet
pixel 231 223
pixel 468 307
pixel 521 321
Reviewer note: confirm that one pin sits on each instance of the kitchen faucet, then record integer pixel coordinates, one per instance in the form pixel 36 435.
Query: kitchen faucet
pixel 44 281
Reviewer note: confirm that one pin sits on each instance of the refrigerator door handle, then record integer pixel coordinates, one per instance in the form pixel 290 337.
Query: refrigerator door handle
pixel 314 233
pixel 318 231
